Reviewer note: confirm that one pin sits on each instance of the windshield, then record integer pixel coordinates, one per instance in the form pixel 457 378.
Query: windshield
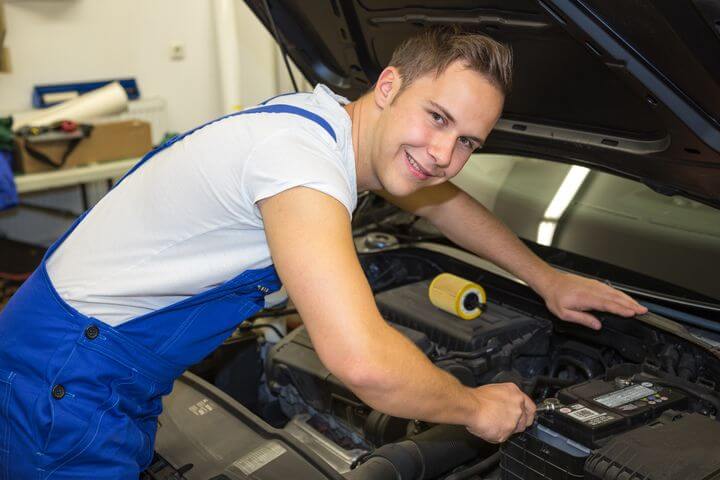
pixel 601 216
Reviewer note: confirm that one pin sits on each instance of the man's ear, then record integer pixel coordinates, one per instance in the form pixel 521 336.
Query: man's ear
pixel 386 87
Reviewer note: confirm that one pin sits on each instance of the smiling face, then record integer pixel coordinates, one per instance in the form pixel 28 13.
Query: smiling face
pixel 425 135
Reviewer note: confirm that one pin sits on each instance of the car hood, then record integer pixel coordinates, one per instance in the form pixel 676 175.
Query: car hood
pixel 629 87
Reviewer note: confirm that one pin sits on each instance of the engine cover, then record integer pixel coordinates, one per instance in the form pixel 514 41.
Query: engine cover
pixel 498 326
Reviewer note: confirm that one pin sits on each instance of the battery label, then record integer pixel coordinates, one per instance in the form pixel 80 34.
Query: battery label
pixel 588 416
pixel 626 395
pixel 601 419
pixel 585 414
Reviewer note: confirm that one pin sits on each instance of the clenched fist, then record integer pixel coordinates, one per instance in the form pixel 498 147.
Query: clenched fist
pixel 503 409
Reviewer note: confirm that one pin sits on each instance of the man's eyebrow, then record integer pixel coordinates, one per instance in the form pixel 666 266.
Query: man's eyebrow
pixel 443 111
pixel 452 119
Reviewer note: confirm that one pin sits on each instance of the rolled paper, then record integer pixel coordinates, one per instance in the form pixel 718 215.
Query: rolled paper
pixel 106 100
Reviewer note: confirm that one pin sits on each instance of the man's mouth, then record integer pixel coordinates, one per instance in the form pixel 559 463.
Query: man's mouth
pixel 415 167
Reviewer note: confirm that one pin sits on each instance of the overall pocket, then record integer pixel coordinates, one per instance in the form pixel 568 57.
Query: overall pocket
pixel 94 422
pixel 79 432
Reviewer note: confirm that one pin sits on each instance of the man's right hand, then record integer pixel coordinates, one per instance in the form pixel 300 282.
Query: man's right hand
pixel 503 410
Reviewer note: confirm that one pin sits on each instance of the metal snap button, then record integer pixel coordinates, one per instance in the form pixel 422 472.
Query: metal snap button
pixel 58 391
pixel 92 332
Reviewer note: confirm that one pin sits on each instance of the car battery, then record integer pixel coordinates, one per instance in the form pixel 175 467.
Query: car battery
pixel 591 412
pixel 541 454
pixel 585 417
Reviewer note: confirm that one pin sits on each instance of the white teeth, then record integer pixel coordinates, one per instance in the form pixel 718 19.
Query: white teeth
pixel 415 164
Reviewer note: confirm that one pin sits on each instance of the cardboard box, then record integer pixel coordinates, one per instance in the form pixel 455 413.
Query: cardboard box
pixel 107 141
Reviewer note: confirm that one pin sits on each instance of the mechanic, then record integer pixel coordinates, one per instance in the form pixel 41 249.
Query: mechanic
pixel 169 262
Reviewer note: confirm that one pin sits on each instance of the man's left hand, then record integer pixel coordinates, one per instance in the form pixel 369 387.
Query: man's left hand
pixel 570 296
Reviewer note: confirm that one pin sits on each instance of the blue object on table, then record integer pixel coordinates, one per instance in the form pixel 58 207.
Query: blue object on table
pixel 48 95
pixel 8 191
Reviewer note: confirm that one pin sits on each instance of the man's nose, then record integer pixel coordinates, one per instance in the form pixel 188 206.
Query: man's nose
pixel 441 149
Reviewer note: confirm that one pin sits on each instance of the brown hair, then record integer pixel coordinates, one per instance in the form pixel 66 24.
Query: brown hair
pixel 434 49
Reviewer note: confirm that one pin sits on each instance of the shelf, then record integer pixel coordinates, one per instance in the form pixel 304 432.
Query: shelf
pixel 34 182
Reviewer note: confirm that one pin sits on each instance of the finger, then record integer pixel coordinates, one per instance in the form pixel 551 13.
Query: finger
pixel 618 308
pixel 621 308
pixel 523 423
pixel 608 303
pixel 626 300
pixel 489 440
pixel 473 432
pixel 635 305
pixel 530 410
pixel 520 425
pixel 582 318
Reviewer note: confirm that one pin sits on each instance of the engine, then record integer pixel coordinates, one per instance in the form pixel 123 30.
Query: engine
pixel 601 406
pixel 637 399
pixel 474 351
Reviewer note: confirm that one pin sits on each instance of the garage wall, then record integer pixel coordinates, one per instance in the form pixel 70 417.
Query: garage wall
pixel 53 41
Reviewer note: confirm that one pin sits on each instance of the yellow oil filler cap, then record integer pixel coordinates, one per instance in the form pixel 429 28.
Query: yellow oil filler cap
pixel 458 296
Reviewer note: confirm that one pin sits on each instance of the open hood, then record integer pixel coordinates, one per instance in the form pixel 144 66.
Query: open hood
pixel 630 87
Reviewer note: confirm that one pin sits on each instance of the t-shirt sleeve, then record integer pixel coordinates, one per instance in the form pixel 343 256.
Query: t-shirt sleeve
pixel 296 158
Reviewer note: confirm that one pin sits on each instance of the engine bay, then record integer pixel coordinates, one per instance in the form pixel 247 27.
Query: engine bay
pixel 637 399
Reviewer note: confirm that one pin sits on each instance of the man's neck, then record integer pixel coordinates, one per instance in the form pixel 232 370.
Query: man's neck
pixel 363 116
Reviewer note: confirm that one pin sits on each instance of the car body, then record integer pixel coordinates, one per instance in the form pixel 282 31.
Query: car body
pixel 605 162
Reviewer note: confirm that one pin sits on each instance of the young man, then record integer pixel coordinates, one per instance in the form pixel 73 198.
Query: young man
pixel 170 261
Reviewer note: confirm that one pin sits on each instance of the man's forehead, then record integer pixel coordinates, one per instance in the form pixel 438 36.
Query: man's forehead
pixel 463 93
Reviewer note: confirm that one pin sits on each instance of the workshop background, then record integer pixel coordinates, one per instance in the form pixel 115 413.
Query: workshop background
pixel 193 61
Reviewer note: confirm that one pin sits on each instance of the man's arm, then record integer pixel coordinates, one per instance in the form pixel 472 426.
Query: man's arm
pixel 469 224
pixel 310 240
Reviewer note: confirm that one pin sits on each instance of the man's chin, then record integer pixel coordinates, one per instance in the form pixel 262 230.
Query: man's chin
pixel 402 187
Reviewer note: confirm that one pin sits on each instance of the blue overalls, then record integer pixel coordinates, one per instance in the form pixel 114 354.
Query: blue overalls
pixel 79 399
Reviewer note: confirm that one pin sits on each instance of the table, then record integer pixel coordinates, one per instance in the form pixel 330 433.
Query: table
pixel 34 182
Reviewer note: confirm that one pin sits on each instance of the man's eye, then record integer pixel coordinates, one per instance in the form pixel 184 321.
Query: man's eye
pixel 437 118
pixel 466 142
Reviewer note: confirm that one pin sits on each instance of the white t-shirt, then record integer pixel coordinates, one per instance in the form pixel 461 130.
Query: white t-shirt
pixel 187 221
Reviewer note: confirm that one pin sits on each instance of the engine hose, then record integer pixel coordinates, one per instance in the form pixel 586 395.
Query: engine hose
pixel 559 382
pixel 480 467
pixel 423 456
pixel 572 361
pixel 530 385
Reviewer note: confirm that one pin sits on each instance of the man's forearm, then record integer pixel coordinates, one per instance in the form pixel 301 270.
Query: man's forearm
pixel 469 224
pixel 399 380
